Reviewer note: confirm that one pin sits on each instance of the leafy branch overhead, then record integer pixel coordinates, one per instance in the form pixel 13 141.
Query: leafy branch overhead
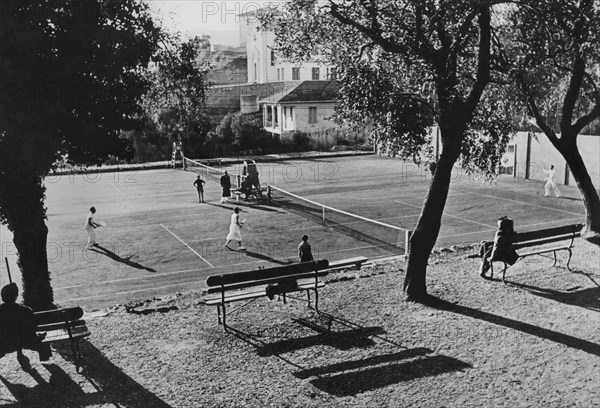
pixel 401 65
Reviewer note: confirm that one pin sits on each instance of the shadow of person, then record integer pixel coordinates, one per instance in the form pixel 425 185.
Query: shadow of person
pixel 106 384
pixel 267 258
pixel 125 260
pixel 547 334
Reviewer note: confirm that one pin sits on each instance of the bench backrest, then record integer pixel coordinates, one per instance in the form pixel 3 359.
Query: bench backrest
pixel 239 280
pixel 54 319
pixel 548 235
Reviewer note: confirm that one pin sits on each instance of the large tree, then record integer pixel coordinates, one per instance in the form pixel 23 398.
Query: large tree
pixel 176 101
pixel 554 57
pixel 72 73
pixel 389 54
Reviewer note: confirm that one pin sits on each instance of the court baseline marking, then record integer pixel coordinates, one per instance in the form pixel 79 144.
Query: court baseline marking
pixel 189 247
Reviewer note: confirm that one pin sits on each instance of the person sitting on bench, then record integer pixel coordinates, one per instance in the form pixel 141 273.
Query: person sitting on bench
pixel 246 190
pixel 502 249
pixel 17 328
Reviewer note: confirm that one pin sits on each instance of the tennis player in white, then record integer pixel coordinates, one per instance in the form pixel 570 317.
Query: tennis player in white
pixel 550 184
pixel 90 225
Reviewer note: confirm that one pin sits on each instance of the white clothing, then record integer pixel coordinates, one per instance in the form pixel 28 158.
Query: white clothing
pixel 550 184
pixel 90 230
pixel 88 221
pixel 235 232
pixel 91 237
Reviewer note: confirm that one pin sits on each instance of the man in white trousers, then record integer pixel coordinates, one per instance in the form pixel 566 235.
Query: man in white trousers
pixel 550 184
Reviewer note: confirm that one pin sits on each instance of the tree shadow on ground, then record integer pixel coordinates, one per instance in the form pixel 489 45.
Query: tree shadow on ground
pixel 110 384
pixel 588 298
pixel 125 260
pixel 561 338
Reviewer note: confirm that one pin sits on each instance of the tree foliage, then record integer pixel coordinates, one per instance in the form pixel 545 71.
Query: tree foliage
pixel 72 75
pixel 403 64
pixel 553 56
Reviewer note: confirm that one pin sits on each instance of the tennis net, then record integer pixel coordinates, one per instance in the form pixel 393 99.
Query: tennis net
pixel 209 172
pixel 391 238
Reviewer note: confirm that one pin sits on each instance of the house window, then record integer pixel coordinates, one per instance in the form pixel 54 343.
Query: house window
pixel 282 74
pixel 285 113
pixel 269 116
pixel 331 73
pixel 276 119
pixel 315 74
pixel 295 74
pixel 278 74
pixel 273 58
pixel 312 114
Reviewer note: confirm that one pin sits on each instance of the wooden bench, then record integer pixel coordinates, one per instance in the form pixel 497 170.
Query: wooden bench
pixel 251 285
pixel 356 261
pixel 543 241
pixel 63 325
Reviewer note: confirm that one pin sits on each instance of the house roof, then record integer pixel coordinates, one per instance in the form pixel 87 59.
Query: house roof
pixel 306 91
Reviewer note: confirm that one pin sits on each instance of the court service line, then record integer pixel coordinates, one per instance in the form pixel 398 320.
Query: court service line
pixel 451 215
pixel 189 247
pixel 117 188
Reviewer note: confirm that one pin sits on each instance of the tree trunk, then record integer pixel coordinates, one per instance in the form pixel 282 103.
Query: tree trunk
pixel 25 216
pixel 591 201
pixel 427 229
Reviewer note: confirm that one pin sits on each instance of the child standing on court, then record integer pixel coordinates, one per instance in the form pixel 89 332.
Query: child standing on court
pixel 304 250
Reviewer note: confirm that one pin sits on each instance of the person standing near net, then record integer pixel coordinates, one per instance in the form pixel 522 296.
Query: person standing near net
pixel 235 230
pixel 199 183
pixel 550 184
pixel 90 225
pixel 304 250
pixel 226 185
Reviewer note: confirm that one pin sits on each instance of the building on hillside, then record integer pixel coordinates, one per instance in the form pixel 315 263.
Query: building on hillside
pixel 263 63
pixel 306 107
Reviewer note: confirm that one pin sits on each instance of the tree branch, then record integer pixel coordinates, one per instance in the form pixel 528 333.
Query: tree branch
pixel 484 53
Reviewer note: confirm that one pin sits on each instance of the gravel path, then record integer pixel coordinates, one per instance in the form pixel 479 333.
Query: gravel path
pixel 532 343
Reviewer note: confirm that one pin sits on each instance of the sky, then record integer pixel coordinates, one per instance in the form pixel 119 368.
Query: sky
pixel 219 19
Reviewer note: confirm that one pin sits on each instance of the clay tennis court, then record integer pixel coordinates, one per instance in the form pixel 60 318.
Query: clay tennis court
pixel 160 240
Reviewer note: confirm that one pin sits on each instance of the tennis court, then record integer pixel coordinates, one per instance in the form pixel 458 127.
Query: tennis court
pixel 160 240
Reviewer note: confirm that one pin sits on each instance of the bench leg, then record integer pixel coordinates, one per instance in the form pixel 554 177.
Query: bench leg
pixel 491 269
pixel 316 300
pixel 308 297
pixel 504 272
pixel 569 259
pixel 554 254
pixel 224 317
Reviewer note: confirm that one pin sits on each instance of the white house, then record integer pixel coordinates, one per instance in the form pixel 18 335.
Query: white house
pixel 263 64
pixel 306 107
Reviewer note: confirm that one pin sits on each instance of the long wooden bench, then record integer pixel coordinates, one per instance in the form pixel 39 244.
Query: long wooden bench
pixel 251 285
pixel 543 241
pixel 63 325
